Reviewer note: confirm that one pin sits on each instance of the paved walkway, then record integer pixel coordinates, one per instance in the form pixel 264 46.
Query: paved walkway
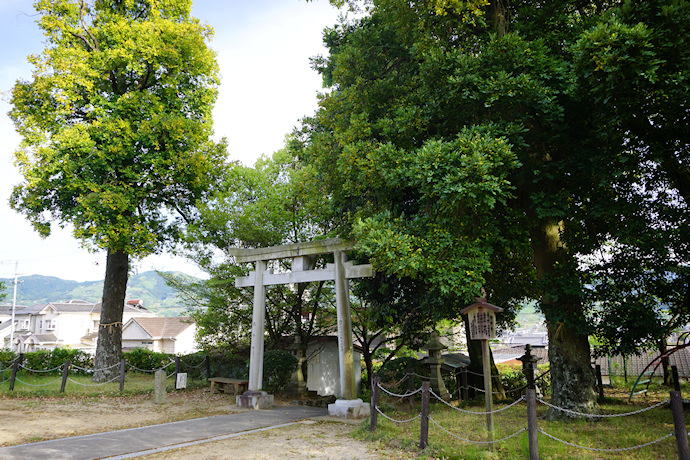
pixel 134 442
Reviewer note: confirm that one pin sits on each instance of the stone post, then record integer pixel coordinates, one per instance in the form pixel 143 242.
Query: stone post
pixel 254 397
pixel 256 357
pixel 345 348
pixel 600 382
pixel 123 367
pixel 159 387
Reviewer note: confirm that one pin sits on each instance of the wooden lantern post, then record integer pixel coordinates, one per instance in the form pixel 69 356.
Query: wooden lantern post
pixel 482 322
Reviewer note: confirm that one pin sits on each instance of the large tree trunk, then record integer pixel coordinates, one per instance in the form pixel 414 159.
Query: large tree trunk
pixel 109 346
pixel 498 16
pixel 572 379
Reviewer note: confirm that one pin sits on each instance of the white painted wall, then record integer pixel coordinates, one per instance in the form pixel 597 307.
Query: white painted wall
pixel 323 369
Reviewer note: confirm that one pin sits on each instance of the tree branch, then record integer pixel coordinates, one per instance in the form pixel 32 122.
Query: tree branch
pixel 86 29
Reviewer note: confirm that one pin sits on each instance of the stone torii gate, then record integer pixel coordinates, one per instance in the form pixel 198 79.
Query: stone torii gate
pixel 303 257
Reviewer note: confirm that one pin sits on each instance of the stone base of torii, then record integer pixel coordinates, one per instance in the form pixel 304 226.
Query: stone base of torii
pixel 303 256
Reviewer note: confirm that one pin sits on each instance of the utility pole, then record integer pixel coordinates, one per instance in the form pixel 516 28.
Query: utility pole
pixel 14 304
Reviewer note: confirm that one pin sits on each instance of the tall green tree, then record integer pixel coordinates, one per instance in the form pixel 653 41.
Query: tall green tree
pixel 632 68
pixel 462 146
pixel 266 205
pixel 115 127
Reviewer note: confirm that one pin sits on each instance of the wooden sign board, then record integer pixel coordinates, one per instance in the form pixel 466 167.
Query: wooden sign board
pixel 481 316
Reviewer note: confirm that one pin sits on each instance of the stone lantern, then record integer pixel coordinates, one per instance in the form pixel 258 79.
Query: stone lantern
pixel 434 347
pixel 298 384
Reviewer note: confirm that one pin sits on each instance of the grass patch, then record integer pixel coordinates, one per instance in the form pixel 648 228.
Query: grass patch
pixel 30 385
pixel 600 433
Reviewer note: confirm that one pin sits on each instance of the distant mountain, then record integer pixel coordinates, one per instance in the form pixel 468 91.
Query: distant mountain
pixel 147 286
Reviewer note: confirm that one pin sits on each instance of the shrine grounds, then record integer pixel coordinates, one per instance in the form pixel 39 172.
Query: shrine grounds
pixel 41 413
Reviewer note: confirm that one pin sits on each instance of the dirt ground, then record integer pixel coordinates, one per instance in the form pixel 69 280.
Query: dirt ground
pixel 39 419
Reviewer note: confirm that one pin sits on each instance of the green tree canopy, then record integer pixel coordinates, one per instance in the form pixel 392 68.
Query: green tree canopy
pixel 465 143
pixel 266 205
pixel 632 68
pixel 115 127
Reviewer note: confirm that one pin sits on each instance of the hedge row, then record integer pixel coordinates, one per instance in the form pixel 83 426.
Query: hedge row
pixel 278 364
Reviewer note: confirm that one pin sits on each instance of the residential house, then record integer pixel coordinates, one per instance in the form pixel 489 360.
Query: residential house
pixel 168 335
pixel 69 324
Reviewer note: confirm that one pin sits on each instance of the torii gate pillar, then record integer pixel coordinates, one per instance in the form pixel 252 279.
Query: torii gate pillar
pixel 340 272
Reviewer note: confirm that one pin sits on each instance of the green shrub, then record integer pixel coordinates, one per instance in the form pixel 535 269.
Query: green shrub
pixel 278 368
pixel 194 365
pixel 393 373
pixel 229 365
pixel 52 360
pixel 7 356
pixel 147 360
pixel 38 361
pixel 513 378
pixel 78 358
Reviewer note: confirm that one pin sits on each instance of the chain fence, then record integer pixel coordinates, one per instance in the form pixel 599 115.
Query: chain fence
pixel 424 415
pixel 598 449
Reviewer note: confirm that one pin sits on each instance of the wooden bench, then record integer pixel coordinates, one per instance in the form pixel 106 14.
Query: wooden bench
pixel 223 384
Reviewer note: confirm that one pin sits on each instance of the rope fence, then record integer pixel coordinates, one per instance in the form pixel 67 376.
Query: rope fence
pixel 530 400
pixel 67 367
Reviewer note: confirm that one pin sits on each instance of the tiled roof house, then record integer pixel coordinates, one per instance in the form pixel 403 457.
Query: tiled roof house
pixel 169 335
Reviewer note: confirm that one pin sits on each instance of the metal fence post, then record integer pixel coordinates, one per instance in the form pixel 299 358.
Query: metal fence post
pixel 679 425
pixel 208 367
pixel 375 392
pixel 15 368
pixel 65 373
pixel 465 384
pixel 177 367
pixel 122 375
pixel 424 429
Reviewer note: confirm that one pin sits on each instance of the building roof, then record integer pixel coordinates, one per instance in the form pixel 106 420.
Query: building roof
pixel 82 306
pixel 7 309
pixel 510 355
pixel 163 327
pixel 38 338
pixel 20 309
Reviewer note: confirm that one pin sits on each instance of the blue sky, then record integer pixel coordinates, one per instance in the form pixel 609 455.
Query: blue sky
pixel 267 85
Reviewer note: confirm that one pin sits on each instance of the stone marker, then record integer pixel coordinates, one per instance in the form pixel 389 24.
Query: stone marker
pixel 159 387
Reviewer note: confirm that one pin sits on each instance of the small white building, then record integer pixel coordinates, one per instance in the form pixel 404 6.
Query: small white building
pixel 167 335
pixel 323 367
